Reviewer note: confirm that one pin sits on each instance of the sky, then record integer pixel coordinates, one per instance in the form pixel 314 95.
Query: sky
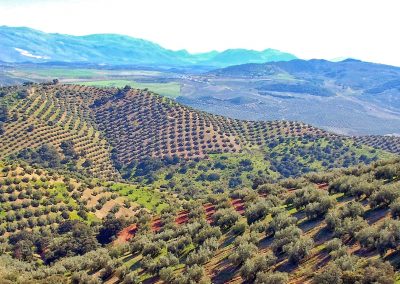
pixel 329 29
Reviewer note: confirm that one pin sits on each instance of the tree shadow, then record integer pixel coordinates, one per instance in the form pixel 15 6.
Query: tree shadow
pixel 394 259
pixel 344 198
pixel 299 215
pixel 286 266
pixel 307 225
pixel 324 258
pixel 265 242
pixel 151 280
pixel 225 274
pixel 374 215
pixel 323 235
pixel 228 240
pixel 365 252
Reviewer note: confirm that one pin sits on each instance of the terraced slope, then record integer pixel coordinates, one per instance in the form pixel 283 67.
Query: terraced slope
pixel 387 143
pixel 142 124
pixel 34 198
pixel 52 114
pixel 191 217
pixel 158 141
pixel 341 225
pixel 111 129
pixel 306 230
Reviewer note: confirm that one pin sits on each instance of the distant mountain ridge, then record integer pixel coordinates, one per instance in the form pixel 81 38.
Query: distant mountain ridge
pixel 375 78
pixel 21 44
pixel 350 97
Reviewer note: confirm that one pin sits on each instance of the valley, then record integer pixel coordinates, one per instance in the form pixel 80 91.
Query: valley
pixel 329 95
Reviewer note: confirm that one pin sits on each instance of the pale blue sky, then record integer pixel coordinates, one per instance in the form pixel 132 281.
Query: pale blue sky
pixel 365 29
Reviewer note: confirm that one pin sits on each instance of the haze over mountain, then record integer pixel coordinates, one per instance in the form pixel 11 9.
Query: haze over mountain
pixel 28 45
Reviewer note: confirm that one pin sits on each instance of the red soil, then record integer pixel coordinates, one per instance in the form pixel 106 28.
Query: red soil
pixel 182 217
pixel 323 185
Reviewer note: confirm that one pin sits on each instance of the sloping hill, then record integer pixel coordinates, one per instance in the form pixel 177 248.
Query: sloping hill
pixel 41 115
pixel 314 229
pixel 324 78
pixel 190 216
pixel 93 130
pixel 345 72
pixel 142 124
pixel 328 227
pixel 313 233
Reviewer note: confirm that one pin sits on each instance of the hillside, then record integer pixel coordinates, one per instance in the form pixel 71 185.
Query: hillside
pixel 33 197
pixel 321 228
pixel 28 45
pixel 122 185
pixel 106 132
pixel 328 227
pixel 62 120
pixel 387 143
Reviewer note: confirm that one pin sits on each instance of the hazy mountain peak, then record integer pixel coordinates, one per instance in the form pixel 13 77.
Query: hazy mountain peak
pixel 21 44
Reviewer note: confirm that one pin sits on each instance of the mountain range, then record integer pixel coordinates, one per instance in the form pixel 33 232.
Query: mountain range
pixel 21 44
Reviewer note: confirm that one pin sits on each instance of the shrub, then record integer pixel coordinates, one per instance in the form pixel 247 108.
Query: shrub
pixel 387 172
pixel 239 228
pixel 283 237
pixel 346 220
pixel 132 278
pixel 395 208
pixel 256 264
pixel 110 227
pixel 319 208
pixel 167 275
pixel 330 275
pixel 280 221
pixel 257 211
pixel 298 249
pixel 271 278
pixel 194 274
pixel 333 244
pixel 225 218
pixel 242 252
pixel 385 196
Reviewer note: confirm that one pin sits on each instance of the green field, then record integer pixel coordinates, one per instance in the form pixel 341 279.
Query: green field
pixel 151 200
pixel 171 89
pixel 61 73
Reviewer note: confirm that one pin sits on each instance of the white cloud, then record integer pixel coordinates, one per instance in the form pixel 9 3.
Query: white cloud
pixel 365 29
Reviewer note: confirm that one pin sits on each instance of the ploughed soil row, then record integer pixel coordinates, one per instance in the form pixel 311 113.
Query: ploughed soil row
pixel 182 218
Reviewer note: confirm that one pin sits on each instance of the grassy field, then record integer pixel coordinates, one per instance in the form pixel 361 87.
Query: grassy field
pixel 151 200
pixel 60 73
pixel 171 89
pixel 76 73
